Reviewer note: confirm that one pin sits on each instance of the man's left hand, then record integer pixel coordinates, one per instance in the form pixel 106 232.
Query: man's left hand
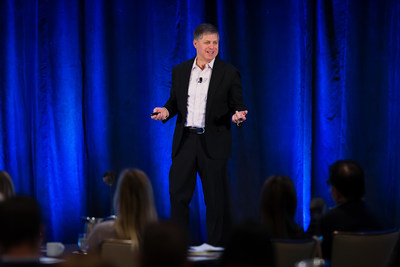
pixel 239 116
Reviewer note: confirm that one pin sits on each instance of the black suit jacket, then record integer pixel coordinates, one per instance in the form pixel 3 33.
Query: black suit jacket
pixel 352 216
pixel 224 98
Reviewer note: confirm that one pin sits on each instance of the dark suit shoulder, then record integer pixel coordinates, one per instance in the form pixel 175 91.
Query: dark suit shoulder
pixel 352 216
pixel 186 64
pixel 223 64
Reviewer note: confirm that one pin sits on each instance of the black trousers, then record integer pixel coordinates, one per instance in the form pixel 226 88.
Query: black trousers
pixel 192 158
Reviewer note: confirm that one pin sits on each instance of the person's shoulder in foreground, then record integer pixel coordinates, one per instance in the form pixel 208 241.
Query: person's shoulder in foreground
pixel 20 232
pixel 347 188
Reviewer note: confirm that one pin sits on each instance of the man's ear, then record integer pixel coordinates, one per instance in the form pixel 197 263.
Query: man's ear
pixel 336 195
pixel 195 43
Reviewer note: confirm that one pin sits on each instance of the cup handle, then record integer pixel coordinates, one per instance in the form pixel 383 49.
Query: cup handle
pixel 61 248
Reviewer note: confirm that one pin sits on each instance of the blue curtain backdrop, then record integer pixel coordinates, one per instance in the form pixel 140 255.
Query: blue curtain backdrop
pixel 79 78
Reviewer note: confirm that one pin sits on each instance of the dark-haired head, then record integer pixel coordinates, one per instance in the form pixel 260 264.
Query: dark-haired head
pixel 204 28
pixel 278 206
pixel 348 178
pixel 164 244
pixel 20 224
pixel 6 186
pixel 250 244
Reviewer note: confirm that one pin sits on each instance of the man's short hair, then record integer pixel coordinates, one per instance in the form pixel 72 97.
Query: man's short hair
pixel 348 178
pixel 20 222
pixel 204 28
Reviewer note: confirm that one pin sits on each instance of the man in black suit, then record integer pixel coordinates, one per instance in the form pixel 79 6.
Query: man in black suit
pixel 205 92
pixel 347 188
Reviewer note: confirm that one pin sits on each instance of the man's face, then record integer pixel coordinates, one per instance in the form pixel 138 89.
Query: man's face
pixel 207 47
pixel 335 194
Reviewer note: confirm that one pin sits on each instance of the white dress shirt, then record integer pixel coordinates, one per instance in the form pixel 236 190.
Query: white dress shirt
pixel 197 94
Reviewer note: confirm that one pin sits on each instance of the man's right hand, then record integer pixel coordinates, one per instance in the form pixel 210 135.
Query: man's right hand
pixel 162 114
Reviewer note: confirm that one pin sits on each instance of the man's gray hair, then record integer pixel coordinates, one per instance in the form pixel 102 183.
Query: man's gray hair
pixel 204 28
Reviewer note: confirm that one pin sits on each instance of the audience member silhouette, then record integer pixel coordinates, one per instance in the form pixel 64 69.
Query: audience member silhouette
pixel 109 178
pixel 135 208
pixel 6 186
pixel 278 208
pixel 347 188
pixel 20 232
pixel 317 210
pixel 164 244
pixel 250 245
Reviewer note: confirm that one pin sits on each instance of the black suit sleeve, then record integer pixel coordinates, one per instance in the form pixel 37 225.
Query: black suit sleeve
pixel 235 93
pixel 171 104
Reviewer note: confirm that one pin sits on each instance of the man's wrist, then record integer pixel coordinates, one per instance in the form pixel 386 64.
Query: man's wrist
pixel 167 113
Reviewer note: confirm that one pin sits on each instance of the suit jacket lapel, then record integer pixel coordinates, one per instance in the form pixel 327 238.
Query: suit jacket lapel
pixel 184 80
pixel 216 77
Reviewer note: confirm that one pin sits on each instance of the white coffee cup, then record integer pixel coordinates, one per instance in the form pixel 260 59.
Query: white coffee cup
pixel 54 249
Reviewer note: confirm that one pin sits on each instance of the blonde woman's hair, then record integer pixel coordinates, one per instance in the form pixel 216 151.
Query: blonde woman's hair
pixel 134 204
pixel 6 186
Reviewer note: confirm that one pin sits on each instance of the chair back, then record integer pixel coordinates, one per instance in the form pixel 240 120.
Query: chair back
pixel 120 253
pixel 288 252
pixel 362 249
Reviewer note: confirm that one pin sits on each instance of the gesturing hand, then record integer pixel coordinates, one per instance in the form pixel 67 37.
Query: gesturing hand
pixel 160 114
pixel 239 117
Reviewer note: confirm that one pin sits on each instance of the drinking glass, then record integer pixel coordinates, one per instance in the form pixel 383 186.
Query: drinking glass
pixel 82 243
